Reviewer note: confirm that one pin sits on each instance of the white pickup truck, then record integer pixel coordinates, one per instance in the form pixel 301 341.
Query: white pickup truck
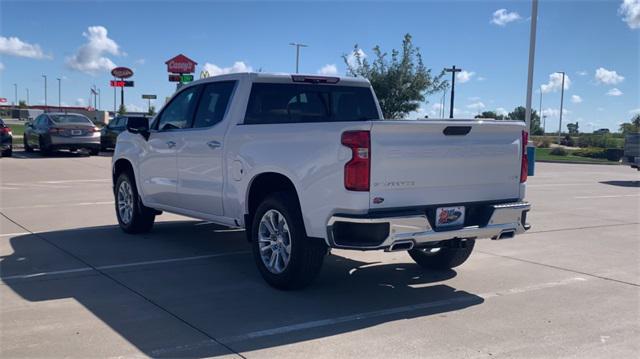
pixel 306 163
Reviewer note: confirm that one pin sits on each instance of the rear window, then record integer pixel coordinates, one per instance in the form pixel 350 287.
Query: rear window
pixel 69 119
pixel 298 103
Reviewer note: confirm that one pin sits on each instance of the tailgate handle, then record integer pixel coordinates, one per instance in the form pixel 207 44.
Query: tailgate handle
pixel 456 130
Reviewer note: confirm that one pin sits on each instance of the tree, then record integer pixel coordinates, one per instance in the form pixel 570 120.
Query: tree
pixel 401 83
pixel 631 127
pixel 519 114
pixel 573 128
pixel 122 110
pixel 490 114
pixel 22 104
pixel 152 110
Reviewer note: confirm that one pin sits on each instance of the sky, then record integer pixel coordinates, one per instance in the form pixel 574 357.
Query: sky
pixel 596 43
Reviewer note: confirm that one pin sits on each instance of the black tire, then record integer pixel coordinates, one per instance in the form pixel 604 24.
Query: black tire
pixel 142 217
pixel 306 254
pixel 45 150
pixel 450 255
pixel 27 148
pixel 94 151
pixel 8 152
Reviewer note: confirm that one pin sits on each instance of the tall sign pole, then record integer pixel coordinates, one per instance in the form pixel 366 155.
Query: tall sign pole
pixel 45 92
pixel 561 104
pixel 532 53
pixel 453 71
pixel 298 46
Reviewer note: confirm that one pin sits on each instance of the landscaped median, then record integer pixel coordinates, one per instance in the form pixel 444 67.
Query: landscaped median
pixel 583 155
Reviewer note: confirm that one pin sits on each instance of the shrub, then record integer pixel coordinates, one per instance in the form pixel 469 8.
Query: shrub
pixel 606 140
pixel 614 154
pixel 591 152
pixel 558 151
pixel 567 141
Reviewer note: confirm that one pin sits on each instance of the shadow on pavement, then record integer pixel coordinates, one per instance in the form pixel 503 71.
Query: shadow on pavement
pixel 57 154
pixel 157 306
pixel 622 183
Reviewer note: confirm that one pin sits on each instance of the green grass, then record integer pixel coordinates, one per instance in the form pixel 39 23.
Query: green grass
pixel 17 130
pixel 542 154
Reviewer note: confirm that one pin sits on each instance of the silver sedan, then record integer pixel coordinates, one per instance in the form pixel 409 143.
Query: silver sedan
pixel 55 131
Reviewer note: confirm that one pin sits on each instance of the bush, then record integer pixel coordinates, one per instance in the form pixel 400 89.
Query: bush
pixel 614 154
pixel 567 141
pixel 558 151
pixel 603 141
pixel 591 152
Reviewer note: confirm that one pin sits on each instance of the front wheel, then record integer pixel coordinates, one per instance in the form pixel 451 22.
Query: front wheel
pixel 8 152
pixel 285 256
pixel 133 216
pixel 452 254
pixel 27 148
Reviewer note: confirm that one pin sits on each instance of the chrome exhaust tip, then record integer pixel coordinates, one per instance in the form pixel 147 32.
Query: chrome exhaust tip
pixel 398 246
pixel 507 234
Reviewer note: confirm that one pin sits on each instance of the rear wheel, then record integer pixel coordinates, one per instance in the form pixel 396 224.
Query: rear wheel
pixel 27 148
pixel 94 151
pixel 451 254
pixel 285 256
pixel 45 149
pixel 133 216
pixel 8 152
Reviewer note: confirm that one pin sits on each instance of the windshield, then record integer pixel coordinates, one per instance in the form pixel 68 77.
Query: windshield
pixel 61 119
pixel 293 103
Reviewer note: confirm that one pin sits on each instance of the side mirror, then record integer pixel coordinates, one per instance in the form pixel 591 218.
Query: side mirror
pixel 139 125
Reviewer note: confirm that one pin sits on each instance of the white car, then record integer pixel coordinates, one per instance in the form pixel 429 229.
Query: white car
pixel 305 163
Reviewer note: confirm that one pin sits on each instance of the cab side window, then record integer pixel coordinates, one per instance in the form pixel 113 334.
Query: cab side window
pixel 178 114
pixel 213 104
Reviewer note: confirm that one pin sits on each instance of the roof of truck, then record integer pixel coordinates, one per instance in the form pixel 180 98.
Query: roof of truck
pixel 284 78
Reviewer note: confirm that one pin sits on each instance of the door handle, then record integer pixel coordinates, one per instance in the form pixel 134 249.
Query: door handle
pixel 214 144
pixel 171 144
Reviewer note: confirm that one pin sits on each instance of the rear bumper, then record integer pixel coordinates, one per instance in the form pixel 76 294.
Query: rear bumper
pixel 415 230
pixel 92 141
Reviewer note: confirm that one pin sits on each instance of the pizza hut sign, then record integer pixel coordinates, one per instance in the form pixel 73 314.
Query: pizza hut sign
pixel 122 72
pixel 181 65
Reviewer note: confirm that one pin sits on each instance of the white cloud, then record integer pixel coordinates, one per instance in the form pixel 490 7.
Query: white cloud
pixel 464 76
pixel 140 61
pixel 215 70
pixel 328 69
pixel 608 77
pixel 79 101
pixel 352 59
pixel 576 99
pixel 634 111
pixel 90 57
pixel 614 92
pixel 630 12
pixel 481 78
pixel 555 83
pixel 135 108
pixel 474 98
pixel 15 47
pixel 582 73
pixel 476 106
pixel 554 112
pixel 501 111
pixel 502 17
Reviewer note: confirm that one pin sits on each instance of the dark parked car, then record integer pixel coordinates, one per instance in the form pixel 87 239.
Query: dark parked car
pixel 55 131
pixel 113 129
pixel 6 140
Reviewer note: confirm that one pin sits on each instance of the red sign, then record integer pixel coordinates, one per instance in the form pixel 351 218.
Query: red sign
pixel 117 83
pixel 122 72
pixel 181 65
pixel 3 100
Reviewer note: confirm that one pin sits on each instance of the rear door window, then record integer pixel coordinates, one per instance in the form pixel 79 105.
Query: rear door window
pixel 298 103
pixel 213 104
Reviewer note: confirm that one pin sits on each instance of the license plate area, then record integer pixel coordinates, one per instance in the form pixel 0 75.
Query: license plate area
pixel 76 132
pixel 449 217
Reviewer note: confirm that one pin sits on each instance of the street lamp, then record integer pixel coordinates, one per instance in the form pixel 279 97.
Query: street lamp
pixel 561 104
pixel 453 71
pixel 45 92
pixel 298 46
pixel 59 92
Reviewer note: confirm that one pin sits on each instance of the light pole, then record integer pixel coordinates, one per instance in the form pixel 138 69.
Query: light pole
pixel 532 53
pixel 59 93
pixel 561 104
pixel 45 92
pixel 15 92
pixel 298 46
pixel 453 71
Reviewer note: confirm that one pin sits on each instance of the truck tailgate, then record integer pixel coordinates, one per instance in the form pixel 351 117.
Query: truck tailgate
pixel 419 163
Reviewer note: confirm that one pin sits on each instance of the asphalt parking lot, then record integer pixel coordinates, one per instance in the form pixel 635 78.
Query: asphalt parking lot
pixel 74 285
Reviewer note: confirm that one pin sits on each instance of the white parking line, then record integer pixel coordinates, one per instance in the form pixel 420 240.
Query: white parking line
pixel 610 196
pixel 76 181
pixel 14 234
pixel 79 204
pixel 398 310
pixel 125 265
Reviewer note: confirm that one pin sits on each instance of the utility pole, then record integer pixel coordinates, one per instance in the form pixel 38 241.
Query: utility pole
pixel 532 53
pixel 45 92
pixel 561 104
pixel 298 46
pixel 59 93
pixel 453 71
pixel 444 99
pixel 15 90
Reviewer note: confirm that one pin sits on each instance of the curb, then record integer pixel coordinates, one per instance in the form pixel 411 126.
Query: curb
pixel 582 163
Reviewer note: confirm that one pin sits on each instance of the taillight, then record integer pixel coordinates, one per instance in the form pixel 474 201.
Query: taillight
pixel 524 166
pixel 56 130
pixel 94 129
pixel 357 170
pixel 5 130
